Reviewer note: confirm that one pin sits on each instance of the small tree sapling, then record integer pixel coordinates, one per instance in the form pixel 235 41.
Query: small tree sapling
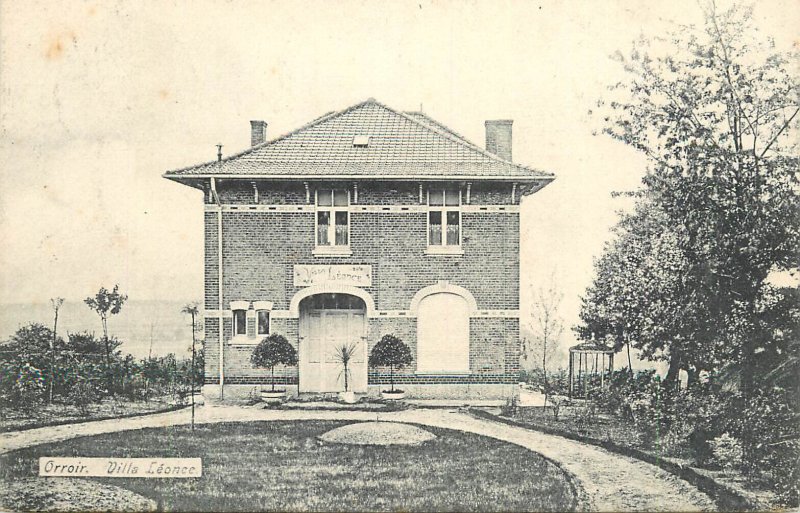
pixel 390 352
pixel 273 350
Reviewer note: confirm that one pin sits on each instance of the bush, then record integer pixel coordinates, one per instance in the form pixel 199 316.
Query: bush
pixel 558 402
pixel 727 451
pixel 29 389
pixel 586 416
pixel 769 427
pixel 82 394
pixel 511 406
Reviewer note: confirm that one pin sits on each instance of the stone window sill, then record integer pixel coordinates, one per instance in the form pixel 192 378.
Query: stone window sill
pixel 443 372
pixel 332 251
pixel 244 340
pixel 445 250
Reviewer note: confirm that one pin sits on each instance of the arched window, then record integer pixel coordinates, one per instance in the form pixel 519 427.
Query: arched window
pixel 443 333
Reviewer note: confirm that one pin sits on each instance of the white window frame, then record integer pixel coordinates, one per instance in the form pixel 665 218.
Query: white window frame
pixel 234 331
pixel 269 322
pixel 443 248
pixel 331 249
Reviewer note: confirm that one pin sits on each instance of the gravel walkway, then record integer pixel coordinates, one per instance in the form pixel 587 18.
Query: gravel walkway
pixel 612 482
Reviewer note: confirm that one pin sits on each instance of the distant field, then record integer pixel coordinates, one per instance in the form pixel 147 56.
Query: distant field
pixel 282 466
pixel 170 328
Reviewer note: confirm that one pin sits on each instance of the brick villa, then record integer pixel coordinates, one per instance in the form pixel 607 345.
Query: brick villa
pixel 365 222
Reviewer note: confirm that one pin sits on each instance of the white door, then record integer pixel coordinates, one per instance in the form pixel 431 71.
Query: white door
pixel 322 332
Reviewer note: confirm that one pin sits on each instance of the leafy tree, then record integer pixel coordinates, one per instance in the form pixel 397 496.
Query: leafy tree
pixel 85 363
pixel 106 303
pixel 639 295
pixel 716 112
pixel 390 352
pixel 273 350
pixel 31 346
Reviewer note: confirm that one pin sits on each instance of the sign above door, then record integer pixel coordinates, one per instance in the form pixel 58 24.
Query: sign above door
pixel 350 275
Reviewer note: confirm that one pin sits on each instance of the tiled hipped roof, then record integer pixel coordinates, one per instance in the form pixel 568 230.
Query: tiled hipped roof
pixel 401 145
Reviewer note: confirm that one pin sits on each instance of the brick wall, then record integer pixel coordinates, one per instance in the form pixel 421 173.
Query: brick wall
pixel 260 248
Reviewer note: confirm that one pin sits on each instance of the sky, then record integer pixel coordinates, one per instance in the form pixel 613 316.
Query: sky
pixel 98 99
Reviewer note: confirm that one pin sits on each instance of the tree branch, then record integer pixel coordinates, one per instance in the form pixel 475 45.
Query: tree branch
pixel 779 132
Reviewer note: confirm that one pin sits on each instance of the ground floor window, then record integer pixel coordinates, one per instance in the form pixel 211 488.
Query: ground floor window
pixel 262 322
pixel 239 322
pixel 443 333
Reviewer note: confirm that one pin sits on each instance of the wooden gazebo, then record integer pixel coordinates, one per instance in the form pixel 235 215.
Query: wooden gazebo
pixel 587 361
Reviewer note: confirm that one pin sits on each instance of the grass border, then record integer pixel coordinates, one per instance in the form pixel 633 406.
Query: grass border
pixel 725 498
pixel 65 422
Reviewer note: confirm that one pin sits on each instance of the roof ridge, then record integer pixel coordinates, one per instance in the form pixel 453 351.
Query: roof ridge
pixel 435 122
pixel 453 137
pixel 456 136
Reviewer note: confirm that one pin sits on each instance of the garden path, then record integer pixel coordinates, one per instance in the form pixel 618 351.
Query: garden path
pixel 612 482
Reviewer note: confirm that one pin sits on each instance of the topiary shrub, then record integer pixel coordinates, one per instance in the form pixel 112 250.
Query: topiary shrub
pixel 390 352
pixel 273 350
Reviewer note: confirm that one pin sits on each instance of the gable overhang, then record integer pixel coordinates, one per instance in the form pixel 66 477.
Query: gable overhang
pixel 366 178
pixel 527 184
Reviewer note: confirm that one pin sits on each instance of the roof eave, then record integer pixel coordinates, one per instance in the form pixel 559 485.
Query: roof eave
pixel 401 178
pixel 194 181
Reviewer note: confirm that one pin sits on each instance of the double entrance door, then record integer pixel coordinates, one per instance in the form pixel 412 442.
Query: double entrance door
pixel 323 333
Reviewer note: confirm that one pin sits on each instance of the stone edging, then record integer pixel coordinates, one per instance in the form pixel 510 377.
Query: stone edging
pixel 64 422
pixel 726 498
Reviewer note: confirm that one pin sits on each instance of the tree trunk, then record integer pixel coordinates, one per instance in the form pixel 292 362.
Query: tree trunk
pixel 630 366
pixel 691 377
pixel 191 378
pixel 53 356
pixel 671 379
pixel 391 376
pixel 109 377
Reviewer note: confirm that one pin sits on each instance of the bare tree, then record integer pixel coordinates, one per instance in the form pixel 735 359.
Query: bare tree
pixel 56 302
pixel 546 326
pixel 193 310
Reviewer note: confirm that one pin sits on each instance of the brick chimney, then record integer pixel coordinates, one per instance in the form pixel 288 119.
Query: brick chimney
pixel 498 137
pixel 258 132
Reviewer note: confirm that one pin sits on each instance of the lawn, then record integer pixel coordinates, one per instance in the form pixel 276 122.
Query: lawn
pixel 269 466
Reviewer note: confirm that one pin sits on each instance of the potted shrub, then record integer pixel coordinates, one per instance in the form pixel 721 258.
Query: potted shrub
pixel 273 350
pixel 391 352
pixel 343 355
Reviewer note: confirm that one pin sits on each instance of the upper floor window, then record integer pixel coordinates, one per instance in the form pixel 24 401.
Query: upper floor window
pixel 444 219
pixel 333 227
